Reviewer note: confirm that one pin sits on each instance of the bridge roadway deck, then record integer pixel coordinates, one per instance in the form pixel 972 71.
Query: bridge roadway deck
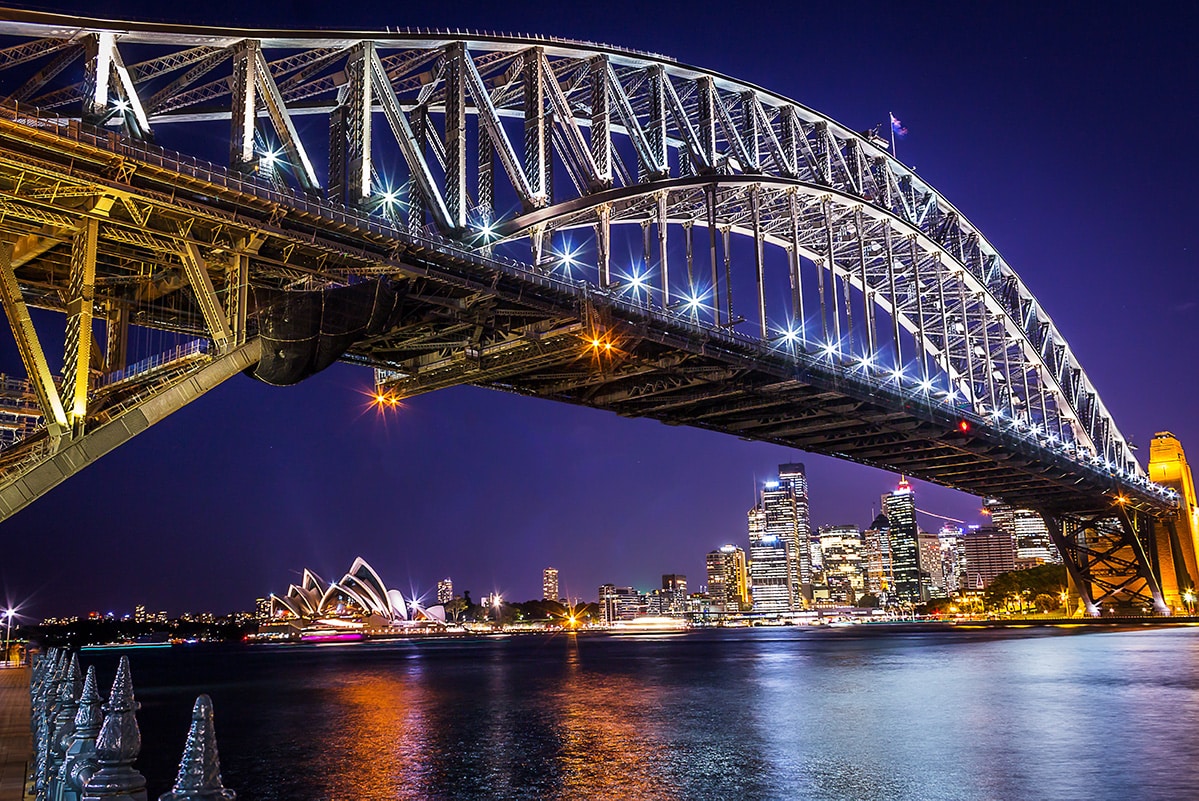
pixel 465 318
pixel 16 741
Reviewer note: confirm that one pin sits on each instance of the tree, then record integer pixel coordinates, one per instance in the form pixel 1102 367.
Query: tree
pixel 455 609
pixel 1047 603
pixel 1040 580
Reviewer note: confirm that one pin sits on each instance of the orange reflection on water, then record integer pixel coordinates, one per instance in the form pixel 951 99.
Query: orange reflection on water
pixel 612 743
pixel 380 747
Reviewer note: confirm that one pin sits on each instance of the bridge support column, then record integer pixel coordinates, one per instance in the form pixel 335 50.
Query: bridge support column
pixel 1168 466
pixel 76 366
pixel 1107 561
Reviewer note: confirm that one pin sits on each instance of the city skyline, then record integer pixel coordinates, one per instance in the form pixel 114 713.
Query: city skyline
pixel 394 487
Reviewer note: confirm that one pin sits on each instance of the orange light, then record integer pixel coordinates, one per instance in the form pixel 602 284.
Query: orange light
pixel 595 343
pixel 964 427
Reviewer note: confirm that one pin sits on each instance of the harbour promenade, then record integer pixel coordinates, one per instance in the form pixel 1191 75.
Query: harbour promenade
pixel 16 743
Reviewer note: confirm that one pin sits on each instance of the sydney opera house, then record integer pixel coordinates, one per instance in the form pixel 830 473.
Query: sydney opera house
pixel 360 603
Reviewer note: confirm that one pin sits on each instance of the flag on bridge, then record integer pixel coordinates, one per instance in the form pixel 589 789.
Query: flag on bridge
pixel 897 129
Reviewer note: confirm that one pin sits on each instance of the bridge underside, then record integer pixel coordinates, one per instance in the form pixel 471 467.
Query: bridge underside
pixel 103 231
pixel 682 374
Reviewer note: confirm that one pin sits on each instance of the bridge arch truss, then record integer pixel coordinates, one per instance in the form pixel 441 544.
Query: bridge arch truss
pixel 642 182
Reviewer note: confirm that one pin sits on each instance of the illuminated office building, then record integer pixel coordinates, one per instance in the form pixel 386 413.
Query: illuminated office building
pixel 843 568
pixel 987 552
pixel 794 481
pixel 549 584
pixel 727 582
pixel 1030 536
pixel 768 552
pixel 952 557
pixel 900 508
pixel 445 591
pixel 618 603
pixel 876 553
pixel 932 566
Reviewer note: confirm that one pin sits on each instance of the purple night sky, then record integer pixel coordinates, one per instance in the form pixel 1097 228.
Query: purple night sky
pixel 1066 133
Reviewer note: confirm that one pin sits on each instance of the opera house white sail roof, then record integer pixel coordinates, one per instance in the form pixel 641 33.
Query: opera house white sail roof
pixel 360 593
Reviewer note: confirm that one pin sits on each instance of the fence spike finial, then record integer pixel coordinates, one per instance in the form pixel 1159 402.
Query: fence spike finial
pixel 118 745
pixel 200 769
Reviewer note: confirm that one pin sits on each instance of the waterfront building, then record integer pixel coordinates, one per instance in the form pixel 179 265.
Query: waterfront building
pixel 952 558
pixel 772 586
pixel 876 553
pixel 987 552
pixel 674 590
pixel 727 583
pixel 139 612
pixel 445 590
pixel 262 610
pixel 618 603
pixel 900 508
pixel 932 566
pixel 842 566
pixel 549 585
pixel 1030 535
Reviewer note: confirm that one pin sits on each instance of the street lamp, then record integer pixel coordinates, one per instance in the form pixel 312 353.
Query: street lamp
pixel 496 600
pixel 1189 598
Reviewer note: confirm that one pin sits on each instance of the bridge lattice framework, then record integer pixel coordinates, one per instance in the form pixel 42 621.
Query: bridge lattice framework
pixel 873 320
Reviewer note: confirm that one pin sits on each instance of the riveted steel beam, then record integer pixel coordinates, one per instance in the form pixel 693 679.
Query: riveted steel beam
pixel 410 145
pixel 210 305
pixel 81 298
pixel 29 346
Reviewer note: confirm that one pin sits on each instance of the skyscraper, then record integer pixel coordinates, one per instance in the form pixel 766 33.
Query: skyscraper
pixel 549 584
pixel 726 579
pixel 674 592
pixel 876 551
pixel 952 558
pixel 1030 536
pixel 793 478
pixel 900 508
pixel 768 567
pixel 445 591
pixel 932 566
pixel 841 550
pixel 988 552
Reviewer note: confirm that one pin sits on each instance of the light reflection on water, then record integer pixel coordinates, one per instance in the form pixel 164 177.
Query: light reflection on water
pixel 741 714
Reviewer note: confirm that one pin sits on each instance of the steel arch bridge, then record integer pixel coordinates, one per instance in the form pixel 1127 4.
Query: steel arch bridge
pixel 561 219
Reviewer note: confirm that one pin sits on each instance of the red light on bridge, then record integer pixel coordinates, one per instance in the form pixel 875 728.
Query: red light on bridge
pixel 964 427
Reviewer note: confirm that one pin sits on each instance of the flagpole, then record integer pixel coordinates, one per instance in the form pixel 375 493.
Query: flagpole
pixel 891 125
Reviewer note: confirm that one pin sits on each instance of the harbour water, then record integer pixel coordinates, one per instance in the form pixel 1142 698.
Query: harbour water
pixel 853 713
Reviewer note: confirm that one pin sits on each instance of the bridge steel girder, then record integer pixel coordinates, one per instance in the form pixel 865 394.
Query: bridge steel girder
pixel 697 339
pixel 30 347
pixel 81 298
pixel 539 81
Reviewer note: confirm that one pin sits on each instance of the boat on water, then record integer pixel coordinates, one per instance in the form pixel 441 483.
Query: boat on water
pixel 650 625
